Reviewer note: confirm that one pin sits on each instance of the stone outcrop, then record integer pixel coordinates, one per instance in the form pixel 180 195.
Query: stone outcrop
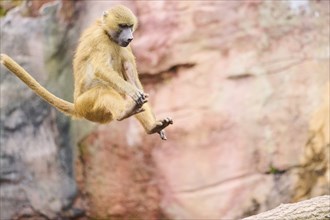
pixel 36 156
pixel 314 176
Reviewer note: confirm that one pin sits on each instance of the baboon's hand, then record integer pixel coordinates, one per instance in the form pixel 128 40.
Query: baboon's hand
pixel 159 127
pixel 139 97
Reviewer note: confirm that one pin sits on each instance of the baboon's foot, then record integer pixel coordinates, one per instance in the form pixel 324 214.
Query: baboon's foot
pixel 159 127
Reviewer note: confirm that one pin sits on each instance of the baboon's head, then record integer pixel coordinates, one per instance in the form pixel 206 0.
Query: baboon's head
pixel 120 23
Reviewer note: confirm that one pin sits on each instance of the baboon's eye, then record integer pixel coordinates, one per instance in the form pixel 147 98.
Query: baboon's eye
pixel 123 25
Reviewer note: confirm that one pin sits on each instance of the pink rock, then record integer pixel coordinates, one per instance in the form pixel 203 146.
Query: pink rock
pixel 240 84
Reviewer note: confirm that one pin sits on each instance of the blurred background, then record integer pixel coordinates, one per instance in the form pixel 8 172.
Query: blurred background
pixel 246 83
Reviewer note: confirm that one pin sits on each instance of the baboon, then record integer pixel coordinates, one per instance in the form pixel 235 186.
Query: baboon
pixel 107 86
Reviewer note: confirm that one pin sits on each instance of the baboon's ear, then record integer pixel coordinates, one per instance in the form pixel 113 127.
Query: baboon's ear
pixel 105 14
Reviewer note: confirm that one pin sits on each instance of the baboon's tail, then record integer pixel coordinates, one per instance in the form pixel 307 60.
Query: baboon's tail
pixel 60 104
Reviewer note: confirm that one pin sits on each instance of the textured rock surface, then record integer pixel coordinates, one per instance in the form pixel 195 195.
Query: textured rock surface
pixel 36 160
pixel 242 106
pixel 241 81
pixel 317 208
pixel 314 178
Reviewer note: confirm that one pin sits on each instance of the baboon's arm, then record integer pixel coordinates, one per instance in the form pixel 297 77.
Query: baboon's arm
pixel 107 74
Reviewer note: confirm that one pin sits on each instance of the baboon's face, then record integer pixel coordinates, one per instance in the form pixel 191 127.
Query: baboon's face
pixel 124 35
pixel 120 23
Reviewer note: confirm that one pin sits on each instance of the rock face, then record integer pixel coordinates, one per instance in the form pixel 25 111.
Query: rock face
pixel 241 81
pixel 36 159
pixel 314 179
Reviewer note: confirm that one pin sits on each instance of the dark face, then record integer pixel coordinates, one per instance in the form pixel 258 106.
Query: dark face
pixel 123 36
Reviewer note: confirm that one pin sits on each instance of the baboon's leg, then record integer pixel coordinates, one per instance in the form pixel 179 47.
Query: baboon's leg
pixel 103 104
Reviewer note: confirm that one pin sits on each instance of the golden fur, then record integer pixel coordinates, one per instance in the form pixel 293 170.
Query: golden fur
pixel 107 86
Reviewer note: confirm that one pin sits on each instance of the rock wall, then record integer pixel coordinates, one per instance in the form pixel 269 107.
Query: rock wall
pixel 314 178
pixel 241 107
pixel 36 155
pixel 240 79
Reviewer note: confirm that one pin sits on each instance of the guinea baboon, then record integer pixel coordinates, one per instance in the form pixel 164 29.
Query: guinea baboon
pixel 107 86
